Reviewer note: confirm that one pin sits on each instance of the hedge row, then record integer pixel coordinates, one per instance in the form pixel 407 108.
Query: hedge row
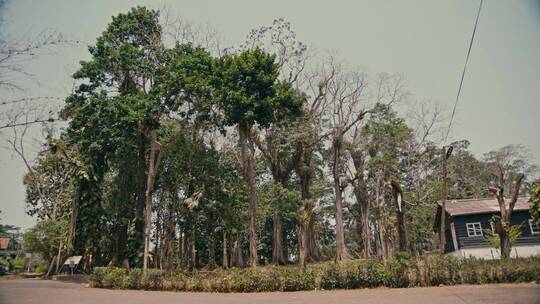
pixel 400 271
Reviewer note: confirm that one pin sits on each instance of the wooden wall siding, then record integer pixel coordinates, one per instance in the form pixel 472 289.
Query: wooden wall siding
pixel 464 241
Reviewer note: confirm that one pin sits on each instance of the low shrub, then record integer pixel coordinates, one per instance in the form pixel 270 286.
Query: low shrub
pixel 42 268
pixel 19 265
pixel 399 271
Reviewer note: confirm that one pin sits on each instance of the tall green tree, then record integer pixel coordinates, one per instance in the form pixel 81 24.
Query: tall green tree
pixel 250 96
pixel 112 109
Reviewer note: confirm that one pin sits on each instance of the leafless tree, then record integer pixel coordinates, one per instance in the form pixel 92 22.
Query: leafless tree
pixel 347 107
pixel 509 166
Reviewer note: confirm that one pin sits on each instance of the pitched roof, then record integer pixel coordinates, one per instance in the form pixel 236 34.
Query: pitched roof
pixel 4 243
pixel 482 205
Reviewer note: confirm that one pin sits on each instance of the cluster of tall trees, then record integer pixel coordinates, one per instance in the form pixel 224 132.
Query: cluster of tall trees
pixel 180 155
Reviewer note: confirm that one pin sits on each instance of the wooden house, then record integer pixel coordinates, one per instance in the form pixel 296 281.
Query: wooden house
pixel 468 219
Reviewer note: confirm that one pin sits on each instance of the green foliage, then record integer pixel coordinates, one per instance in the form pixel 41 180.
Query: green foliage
pixel 133 84
pixel 250 93
pixel 514 232
pixel 468 177
pixel 399 271
pixel 45 238
pixel 42 268
pixel 19 264
pixel 4 265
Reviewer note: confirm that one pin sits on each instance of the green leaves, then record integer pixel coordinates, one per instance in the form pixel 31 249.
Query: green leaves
pixel 45 237
pixel 250 93
pixel 185 83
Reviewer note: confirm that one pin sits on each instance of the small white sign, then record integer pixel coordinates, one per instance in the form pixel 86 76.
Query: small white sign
pixel 73 260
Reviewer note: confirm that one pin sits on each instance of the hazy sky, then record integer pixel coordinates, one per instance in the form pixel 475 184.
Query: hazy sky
pixel 425 40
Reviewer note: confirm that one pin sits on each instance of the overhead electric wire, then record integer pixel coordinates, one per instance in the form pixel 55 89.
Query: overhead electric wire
pixel 463 73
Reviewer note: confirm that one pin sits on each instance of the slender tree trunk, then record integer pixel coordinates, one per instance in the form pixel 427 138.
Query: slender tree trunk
pixel 211 250
pixel 51 266
pixel 505 245
pixel 152 170
pixel 247 154
pixel 303 240
pixel 341 249
pixel 193 250
pixel 380 218
pixel 225 263
pixel 73 220
pixel 397 193
pixel 366 235
pixel 442 228
pixel 139 180
pixel 59 257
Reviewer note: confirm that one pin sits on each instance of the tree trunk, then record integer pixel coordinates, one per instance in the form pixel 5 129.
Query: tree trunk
pixel 502 222
pixel 277 242
pixel 303 241
pixel 362 201
pixel 362 221
pixel 303 169
pixel 140 200
pixel 341 249
pixel 247 154
pixel 237 257
pixel 73 220
pixel 152 170
pixel 397 193
pixel 382 249
pixel 314 252
pixel 120 244
pixel 366 235
pixel 211 250
pixel 193 250
pixel 381 238
pixel 505 244
pixel 442 228
pixel 225 263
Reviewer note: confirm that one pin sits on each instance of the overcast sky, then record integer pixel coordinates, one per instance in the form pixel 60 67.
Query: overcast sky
pixel 425 40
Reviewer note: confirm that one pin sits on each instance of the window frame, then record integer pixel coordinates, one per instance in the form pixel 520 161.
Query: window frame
pixel 474 229
pixel 531 224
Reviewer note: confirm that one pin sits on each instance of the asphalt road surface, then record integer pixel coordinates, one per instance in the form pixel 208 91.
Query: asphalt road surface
pixel 23 291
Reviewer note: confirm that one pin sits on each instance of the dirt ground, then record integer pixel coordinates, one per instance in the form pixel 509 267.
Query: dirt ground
pixel 23 291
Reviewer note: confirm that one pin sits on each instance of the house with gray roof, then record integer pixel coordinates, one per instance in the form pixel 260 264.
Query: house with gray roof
pixel 468 219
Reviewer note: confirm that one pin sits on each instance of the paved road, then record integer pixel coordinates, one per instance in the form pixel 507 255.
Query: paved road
pixel 23 291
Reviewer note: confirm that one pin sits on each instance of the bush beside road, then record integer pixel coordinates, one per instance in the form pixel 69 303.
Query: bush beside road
pixel 401 271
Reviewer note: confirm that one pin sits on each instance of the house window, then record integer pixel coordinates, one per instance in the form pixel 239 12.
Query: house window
pixel 474 229
pixel 534 227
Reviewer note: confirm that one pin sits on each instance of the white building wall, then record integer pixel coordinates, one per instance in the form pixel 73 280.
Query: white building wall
pixel 489 253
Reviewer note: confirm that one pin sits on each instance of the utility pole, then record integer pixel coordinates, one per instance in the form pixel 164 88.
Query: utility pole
pixel 445 154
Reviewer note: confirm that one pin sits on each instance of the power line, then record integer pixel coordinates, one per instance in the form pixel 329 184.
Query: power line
pixel 463 73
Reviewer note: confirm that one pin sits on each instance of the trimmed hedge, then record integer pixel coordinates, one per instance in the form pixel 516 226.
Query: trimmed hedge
pixel 401 271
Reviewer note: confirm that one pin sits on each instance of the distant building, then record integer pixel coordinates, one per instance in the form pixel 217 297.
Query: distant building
pixel 5 249
pixel 465 223
pixel 4 243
